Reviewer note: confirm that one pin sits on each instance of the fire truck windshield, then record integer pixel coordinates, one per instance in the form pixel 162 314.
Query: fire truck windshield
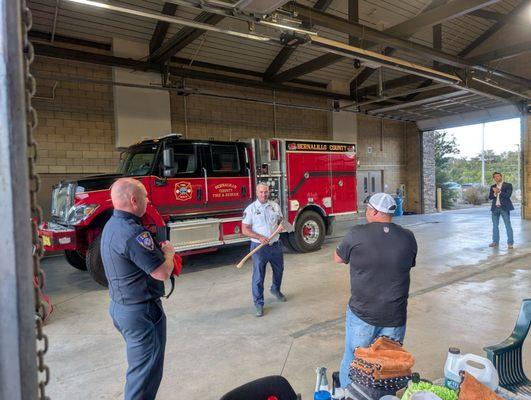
pixel 137 160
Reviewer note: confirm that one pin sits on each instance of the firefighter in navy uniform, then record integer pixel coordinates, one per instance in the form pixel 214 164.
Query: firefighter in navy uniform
pixel 136 269
pixel 260 220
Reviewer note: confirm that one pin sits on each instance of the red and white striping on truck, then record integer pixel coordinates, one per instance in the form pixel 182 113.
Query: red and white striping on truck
pixel 198 190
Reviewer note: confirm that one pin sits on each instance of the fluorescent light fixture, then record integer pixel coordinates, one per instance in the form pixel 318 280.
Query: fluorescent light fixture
pixel 171 20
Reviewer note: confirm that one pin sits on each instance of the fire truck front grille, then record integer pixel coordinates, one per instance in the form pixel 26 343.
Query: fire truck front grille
pixel 62 201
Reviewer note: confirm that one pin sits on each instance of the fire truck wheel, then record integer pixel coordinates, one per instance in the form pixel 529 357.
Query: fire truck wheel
pixel 309 232
pixel 76 260
pixel 95 264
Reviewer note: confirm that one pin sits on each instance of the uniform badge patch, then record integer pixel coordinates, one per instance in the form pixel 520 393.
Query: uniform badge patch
pixel 145 240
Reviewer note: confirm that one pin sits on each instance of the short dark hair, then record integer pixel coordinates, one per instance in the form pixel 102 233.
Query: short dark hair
pixel 497 173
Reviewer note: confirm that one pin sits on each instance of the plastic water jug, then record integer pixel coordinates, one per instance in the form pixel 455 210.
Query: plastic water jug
pixel 455 362
pixel 451 369
pixel 487 374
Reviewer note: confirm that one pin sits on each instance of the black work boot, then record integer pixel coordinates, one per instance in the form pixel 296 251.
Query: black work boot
pixel 259 310
pixel 278 294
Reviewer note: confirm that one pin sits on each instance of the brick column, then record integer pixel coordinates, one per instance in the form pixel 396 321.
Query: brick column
pixel 428 173
pixel 526 165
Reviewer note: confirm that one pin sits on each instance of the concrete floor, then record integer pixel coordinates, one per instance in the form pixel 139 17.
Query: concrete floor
pixel 462 294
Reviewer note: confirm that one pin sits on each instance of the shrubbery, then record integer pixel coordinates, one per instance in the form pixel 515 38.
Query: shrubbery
pixel 476 195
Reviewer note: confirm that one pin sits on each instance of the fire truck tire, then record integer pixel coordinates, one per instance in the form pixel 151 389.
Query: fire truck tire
pixel 95 264
pixel 76 260
pixel 309 232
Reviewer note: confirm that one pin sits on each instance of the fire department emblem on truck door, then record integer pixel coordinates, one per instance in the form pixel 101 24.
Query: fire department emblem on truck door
pixel 183 191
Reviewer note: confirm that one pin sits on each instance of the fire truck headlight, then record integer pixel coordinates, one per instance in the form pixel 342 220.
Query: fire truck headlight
pixel 294 205
pixel 81 212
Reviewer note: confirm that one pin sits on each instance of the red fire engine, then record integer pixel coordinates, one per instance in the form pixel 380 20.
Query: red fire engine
pixel 199 189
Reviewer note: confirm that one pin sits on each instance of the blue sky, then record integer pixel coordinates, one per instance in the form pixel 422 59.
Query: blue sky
pixel 500 136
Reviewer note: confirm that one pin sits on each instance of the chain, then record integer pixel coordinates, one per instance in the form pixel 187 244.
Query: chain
pixel 36 212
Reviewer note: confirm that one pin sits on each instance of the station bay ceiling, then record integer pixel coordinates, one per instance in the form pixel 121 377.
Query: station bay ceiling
pixel 403 59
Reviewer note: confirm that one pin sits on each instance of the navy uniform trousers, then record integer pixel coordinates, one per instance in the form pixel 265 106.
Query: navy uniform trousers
pixel 143 327
pixel 267 254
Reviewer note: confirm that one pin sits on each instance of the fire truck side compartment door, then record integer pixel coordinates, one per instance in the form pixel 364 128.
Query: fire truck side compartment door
pixel 343 167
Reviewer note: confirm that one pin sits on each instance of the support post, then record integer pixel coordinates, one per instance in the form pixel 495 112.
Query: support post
pixel 18 367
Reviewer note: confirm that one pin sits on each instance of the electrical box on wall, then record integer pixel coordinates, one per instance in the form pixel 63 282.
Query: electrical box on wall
pixel 369 149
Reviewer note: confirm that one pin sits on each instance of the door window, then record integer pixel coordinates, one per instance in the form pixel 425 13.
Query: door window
pixel 185 159
pixel 224 158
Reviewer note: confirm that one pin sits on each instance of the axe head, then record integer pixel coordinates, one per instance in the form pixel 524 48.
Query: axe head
pixel 286 226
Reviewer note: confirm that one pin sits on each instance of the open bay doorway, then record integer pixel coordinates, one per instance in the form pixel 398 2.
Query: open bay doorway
pixel 466 158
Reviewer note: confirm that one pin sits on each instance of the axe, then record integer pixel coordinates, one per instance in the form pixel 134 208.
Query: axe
pixel 283 226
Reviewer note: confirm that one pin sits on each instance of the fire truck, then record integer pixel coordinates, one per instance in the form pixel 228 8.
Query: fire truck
pixel 198 190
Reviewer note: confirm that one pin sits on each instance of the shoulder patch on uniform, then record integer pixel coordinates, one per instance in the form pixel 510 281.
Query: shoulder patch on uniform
pixel 146 241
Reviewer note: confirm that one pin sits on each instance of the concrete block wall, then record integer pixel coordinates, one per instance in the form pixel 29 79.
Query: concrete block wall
pixel 393 148
pixel 226 119
pixel 75 132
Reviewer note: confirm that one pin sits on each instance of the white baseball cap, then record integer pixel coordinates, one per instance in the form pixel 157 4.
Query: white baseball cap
pixel 382 202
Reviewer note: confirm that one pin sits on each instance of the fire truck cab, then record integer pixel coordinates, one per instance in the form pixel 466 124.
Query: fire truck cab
pixel 198 190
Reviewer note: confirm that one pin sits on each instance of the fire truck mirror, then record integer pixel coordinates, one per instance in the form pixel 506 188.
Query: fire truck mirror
pixel 168 161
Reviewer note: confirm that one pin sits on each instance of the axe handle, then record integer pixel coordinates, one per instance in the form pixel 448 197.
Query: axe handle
pixel 244 259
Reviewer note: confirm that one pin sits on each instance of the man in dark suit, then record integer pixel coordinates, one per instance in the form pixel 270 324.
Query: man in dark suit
pixel 500 194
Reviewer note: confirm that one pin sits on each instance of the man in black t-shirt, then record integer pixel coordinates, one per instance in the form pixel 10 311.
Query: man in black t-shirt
pixel 381 255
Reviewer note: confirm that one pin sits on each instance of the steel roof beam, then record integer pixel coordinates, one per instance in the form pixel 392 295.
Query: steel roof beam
pixel 489 15
pixel 431 99
pixel 183 38
pixel 342 25
pixel 390 84
pixel 503 53
pixel 285 53
pixel 367 72
pixel 437 15
pixel 103 46
pixel 161 29
pixel 402 29
pixel 47 50
pixel 511 16
pixel 308 67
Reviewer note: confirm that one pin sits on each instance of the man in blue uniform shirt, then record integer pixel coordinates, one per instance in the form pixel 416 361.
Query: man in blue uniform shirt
pixel 260 220
pixel 136 269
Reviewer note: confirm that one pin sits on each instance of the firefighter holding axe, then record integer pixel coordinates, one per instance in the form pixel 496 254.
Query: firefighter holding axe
pixel 263 223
